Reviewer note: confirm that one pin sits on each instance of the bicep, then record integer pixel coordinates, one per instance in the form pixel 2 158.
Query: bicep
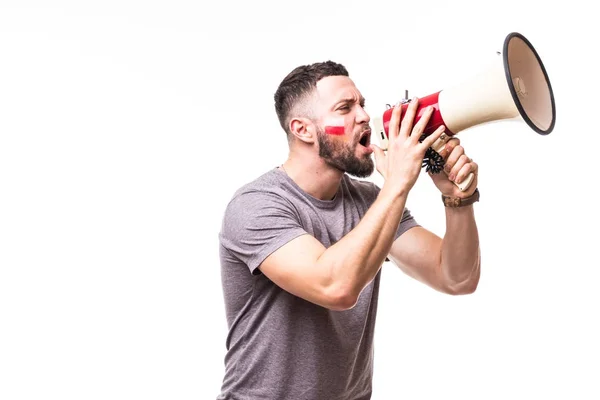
pixel 417 252
pixel 266 235
pixel 294 267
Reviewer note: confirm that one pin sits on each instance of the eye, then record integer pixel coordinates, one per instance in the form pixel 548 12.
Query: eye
pixel 345 107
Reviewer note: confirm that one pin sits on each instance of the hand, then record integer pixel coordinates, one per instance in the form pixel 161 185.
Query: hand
pixel 456 169
pixel 401 166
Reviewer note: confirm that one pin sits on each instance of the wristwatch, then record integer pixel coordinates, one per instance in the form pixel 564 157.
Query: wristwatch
pixel 450 201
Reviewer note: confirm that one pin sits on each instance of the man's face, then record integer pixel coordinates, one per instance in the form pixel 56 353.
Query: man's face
pixel 343 129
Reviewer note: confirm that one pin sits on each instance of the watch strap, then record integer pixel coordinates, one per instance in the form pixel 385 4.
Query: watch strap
pixel 451 201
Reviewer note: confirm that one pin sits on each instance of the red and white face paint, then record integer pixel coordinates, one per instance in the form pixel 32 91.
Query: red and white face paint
pixel 335 126
pixel 335 130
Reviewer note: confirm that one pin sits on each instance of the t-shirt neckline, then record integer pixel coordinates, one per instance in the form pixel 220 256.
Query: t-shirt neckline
pixel 318 202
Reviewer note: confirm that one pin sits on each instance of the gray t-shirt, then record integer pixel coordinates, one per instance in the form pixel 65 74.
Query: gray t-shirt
pixel 280 346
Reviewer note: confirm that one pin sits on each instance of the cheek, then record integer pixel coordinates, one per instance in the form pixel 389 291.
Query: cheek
pixel 336 127
pixel 335 130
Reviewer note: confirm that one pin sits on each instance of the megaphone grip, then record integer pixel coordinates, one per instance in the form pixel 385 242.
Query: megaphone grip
pixel 464 185
pixel 438 146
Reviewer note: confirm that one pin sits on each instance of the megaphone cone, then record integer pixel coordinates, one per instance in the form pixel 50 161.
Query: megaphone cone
pixel 515 86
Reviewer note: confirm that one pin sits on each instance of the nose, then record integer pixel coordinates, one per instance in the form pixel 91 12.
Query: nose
pixel 362 116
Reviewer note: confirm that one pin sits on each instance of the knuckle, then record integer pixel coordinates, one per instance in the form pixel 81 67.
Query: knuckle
pixel 449 147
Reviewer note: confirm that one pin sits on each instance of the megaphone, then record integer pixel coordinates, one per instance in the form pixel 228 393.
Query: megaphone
pixel 515 86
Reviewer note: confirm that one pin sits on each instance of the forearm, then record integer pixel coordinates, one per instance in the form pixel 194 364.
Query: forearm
pixel 460 256
pixel 354 261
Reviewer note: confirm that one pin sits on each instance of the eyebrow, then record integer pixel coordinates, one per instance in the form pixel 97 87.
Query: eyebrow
pixel 351 100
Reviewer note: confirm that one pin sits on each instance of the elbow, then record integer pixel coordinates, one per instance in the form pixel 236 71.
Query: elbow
pixel 465 286
pixel 341 298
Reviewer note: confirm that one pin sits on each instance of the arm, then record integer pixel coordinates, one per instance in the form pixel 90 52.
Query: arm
pixel 452 264
pixel 335 277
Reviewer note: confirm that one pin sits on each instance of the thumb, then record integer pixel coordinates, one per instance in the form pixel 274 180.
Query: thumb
pixel 379 156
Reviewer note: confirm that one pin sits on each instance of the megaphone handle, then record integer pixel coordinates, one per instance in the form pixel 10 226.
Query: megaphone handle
pixel 464 185
pixel 438 146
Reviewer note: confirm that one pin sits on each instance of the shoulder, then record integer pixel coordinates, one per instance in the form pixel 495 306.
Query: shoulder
pixel 271 183
pixel 266 192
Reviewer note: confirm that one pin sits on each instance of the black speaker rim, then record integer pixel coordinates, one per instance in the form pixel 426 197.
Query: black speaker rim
pixel 511 87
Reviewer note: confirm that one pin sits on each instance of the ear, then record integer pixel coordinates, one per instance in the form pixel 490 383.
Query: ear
pixel 303 129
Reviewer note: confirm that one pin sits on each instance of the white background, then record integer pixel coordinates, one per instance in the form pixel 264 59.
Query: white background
pixel 125 126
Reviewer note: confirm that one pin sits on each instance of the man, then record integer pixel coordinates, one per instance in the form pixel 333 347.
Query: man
pixel 301 246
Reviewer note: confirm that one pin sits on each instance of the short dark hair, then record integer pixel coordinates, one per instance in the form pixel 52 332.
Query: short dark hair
pixel 300 83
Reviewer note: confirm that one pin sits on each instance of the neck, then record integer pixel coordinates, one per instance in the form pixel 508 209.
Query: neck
pixel 313 175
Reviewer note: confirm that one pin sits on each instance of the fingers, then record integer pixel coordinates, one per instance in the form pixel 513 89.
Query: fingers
pixel 394 126
pixel 409 117
pixel 455 150
pixel 379 154
pixel 420 126
pixel 380 160
pixel 435 135
pixel 459 165
pixel 460 162
pixel 448 147
pixel 405 126
pixel 465 170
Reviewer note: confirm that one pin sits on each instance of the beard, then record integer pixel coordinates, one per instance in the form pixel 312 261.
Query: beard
pixel 342 156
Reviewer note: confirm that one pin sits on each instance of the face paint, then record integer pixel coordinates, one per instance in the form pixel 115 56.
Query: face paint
pixel 335 130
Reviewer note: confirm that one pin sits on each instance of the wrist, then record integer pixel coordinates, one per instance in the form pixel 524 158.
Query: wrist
pixel 457 202
pixel 394 192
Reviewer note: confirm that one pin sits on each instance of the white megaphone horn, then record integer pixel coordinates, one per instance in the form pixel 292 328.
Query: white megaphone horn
pixel 515 86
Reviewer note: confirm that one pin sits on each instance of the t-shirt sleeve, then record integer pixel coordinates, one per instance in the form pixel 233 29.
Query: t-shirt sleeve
pixel 255 224
pixel 408 221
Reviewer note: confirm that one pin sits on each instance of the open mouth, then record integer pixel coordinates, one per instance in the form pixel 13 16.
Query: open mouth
pixel 365 138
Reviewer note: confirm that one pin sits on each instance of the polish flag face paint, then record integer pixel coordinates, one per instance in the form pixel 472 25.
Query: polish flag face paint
pixel 335 130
